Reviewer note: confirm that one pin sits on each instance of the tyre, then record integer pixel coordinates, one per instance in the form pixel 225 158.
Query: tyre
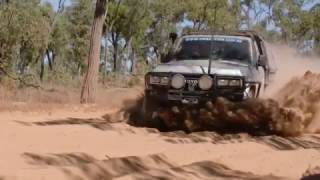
pixel 149 109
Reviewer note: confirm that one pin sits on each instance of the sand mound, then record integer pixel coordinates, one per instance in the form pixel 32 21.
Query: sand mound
pixel 293 111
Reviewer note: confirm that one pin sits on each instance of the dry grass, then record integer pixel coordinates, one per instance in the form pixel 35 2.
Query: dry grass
pixel 50 96
pixel 121 81
pixel 30 95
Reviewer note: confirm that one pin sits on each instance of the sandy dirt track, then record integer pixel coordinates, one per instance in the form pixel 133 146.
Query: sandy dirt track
pixel 77 143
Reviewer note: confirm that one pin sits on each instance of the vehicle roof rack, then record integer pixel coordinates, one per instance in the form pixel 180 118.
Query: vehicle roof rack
pixel 247 33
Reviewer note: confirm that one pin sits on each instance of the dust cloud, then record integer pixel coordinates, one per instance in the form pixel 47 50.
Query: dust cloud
pixel 296 88
pixel 289 65
pixel 289 107
pixel 293 111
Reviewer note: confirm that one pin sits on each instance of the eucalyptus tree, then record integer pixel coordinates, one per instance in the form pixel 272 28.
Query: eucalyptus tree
pixel 165 15
pixel 127 22
pixel 24 30
pixel 204 14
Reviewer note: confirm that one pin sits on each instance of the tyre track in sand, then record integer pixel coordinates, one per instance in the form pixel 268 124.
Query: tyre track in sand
pixel 156 166
pixel 73 147
pixel 306 141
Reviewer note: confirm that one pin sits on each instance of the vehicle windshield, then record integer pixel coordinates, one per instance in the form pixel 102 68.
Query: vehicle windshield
pixel 217 48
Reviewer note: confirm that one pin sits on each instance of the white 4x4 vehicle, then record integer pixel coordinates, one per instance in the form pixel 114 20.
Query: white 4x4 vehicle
pixel 202 66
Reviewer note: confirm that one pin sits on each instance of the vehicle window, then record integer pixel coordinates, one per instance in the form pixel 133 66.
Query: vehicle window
pixel 255 52
pixel 271 58
pixel 233 49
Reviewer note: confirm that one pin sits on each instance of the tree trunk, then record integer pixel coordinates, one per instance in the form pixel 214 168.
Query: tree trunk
pixel 115 39
pixel 133 62
pixel 115 57
pixel 130 53
pixel 105 59
pixel 91 78
pixel 49 60
pixel 41 68
pixel 106 49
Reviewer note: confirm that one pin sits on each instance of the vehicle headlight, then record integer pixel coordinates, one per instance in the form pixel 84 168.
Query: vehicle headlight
pixel 223 82
pixel 230 82
pixel 178 81
pixel 205 82
pixel 164 80
pixel 235 82
pixel 158 80
pixel 154 80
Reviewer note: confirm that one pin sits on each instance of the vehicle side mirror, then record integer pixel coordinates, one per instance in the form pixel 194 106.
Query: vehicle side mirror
pixel 262 61
pixel 166 57
pixel 169 56
pixel 173 37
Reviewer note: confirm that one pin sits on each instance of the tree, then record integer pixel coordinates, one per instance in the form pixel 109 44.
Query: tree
pixel 165 14
pixel 35 37
pixel 24 30
pixel 115 21
pixel 127 21
pixel 316 26
pixel 91 79
pixel 79 20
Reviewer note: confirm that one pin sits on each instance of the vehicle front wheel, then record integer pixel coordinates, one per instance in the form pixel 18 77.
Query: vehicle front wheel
pixel 149 109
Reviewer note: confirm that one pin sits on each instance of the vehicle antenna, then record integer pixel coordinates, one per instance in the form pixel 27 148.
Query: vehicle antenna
pixel 212 38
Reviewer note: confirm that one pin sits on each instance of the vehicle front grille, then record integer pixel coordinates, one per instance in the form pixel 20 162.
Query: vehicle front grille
pixel 192 82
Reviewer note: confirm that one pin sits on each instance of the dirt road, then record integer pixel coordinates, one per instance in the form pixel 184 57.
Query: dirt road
pixel 77 143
